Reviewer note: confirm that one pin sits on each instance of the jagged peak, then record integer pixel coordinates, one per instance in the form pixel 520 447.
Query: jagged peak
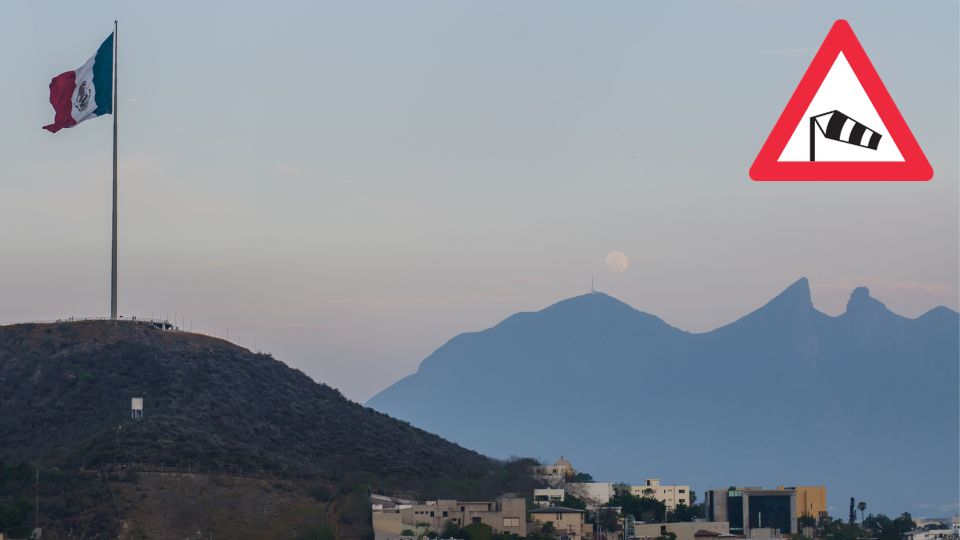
pixel 797 294
pixel 861 302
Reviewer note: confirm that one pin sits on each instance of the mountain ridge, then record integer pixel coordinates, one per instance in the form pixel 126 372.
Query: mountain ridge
pixel 819 377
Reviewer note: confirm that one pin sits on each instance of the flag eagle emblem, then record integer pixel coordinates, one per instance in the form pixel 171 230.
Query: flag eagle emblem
pixel 83 96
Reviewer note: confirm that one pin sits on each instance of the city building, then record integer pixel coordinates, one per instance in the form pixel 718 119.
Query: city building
pixel 751 508
pixel 811 500
pixel 932 534
pixel 554 475
pixel 546 497
pixel 566 521
pixel 698 530
pixel 670 496
pixel 504 515
pixel 593 493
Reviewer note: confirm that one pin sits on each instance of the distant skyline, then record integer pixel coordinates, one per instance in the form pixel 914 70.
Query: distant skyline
pixel 348 186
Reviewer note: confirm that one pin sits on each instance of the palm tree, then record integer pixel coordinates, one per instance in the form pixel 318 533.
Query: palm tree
pixel 861 506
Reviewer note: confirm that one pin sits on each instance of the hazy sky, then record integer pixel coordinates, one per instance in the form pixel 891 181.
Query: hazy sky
pixel 349 185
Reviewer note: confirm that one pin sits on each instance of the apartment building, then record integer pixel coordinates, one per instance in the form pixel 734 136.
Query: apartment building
pixel 566 521
pixel 505 515
pixel 670 496
pixel 546 497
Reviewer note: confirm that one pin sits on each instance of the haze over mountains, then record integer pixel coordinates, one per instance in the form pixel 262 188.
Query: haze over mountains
pixel 865 402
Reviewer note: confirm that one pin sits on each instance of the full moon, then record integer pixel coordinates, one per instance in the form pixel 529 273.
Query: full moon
pixel 617 261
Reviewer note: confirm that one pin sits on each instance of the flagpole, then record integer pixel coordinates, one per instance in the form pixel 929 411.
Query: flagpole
pixel 113 258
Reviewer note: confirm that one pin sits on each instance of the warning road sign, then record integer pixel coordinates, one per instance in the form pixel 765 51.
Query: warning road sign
pixel 841 123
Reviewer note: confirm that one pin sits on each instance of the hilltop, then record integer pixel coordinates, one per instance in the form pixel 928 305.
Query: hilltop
pixel 786 395
pixel 209 406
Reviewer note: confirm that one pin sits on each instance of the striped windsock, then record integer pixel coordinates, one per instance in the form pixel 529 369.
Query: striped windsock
pixel 839 127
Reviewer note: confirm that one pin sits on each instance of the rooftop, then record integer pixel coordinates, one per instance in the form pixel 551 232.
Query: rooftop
pixel 556 510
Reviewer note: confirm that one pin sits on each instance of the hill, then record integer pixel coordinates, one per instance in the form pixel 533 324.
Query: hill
pixel 209 406
pixel 866 402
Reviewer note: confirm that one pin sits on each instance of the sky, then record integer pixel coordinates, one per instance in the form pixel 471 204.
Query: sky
pixel 349 185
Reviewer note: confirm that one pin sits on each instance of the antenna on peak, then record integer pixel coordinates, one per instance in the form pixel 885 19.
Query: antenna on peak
pixel 592 289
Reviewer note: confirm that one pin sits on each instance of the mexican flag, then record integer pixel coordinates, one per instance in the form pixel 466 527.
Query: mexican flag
pixel 84 93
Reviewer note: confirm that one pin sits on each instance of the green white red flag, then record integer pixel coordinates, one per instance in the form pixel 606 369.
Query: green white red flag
pixel 84 93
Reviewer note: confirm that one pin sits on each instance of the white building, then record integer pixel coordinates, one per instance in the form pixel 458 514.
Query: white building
pixel 554 475
pixel 670 496
pixel 547 497
pixel 592 493
pixel 933 534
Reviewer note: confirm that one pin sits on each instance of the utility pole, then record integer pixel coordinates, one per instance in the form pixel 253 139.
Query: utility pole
pixel 36 510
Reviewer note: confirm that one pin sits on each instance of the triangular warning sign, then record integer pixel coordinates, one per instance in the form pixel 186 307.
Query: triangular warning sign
pixel 841 123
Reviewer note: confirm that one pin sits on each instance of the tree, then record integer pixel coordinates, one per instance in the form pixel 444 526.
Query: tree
pixel 407 532
pixel 861 506
pixel 609 520
pixel 836 529
pixel 580 477
pixel 450 530
pixel 806 520
pixel 477 531
pixel 642 508
pixel 853 513
pixel 684 513
pixel 572 501
pixel 884 528
pixel 667 536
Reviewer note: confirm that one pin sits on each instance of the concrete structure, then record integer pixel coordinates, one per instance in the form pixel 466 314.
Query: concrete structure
pixel 811 500
pixel 670 496
pixel 547 497
pixel 593 493
pixel 933 534
pixel 504 515
pixel 702 530
pixel 554 475
pixel 753 508
pixel 566 521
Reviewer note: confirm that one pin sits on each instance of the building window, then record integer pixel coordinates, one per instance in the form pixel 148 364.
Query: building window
pixel 477 520
pixel 511 522
pixel 683 491
pixel 444 513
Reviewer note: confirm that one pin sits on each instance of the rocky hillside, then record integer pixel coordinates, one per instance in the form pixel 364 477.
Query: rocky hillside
pixel 209 406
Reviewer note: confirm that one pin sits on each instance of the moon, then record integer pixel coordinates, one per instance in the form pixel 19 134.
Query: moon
pixel 617 261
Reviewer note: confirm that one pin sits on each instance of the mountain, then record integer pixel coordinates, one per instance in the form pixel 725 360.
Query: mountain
pixel 209 406
pixel 865 403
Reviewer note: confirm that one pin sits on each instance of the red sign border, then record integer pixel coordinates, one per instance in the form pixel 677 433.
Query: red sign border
pixel 915 166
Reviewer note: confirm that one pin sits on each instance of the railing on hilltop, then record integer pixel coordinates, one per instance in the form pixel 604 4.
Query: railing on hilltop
pixel 162 323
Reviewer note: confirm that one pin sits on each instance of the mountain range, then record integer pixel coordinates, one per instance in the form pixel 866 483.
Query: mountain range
pixel 865 403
